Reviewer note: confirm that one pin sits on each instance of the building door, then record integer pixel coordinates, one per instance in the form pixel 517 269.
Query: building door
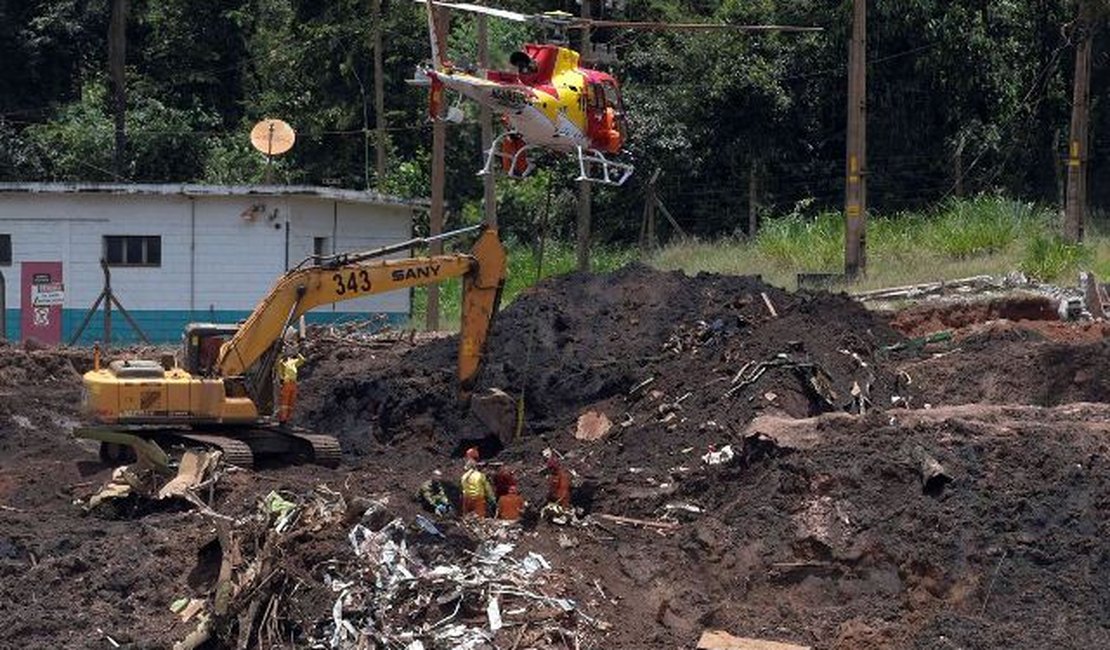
pixel 42 295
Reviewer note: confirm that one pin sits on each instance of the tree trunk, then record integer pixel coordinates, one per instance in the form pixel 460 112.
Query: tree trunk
pixel 117 53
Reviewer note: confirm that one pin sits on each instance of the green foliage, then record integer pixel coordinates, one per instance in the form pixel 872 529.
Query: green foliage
pixel 803 242
pixel 988 80
pixel 983 234
pixel 78 144
pixel 1048 257
pixel 981 225
pixel 233 161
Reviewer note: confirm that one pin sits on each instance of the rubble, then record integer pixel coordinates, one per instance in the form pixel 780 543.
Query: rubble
pixel 838 522
pixel 592 425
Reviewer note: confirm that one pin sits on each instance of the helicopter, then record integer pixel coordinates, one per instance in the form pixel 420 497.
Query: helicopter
pixel 550 102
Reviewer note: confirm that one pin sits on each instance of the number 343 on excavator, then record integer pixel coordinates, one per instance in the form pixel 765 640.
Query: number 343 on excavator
pixel 218 391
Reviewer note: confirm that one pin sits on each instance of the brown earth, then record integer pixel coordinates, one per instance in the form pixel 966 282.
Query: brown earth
pixel 828 537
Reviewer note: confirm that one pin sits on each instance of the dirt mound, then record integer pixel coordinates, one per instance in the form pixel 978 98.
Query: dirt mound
pixel 1015 366
pixel 839 543
pixel 587 341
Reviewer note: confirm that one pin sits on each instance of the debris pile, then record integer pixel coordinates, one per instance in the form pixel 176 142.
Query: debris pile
pixel 649 350
pixel 429 594
pixel 381 582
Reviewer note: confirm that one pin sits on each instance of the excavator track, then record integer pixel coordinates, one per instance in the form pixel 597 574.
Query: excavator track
pixel 235 452
pixel 240 446
pixel 246 445
pixel 325 449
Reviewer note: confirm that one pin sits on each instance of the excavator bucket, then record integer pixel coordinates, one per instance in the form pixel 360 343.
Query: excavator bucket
pixel 481 298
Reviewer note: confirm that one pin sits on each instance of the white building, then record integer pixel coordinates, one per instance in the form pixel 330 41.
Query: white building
pixel 179 253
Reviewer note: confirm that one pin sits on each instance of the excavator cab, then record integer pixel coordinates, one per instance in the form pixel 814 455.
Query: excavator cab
pixel 200 348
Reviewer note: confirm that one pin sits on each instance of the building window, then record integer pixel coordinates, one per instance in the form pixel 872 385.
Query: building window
pixel 128 250
pixel 5 250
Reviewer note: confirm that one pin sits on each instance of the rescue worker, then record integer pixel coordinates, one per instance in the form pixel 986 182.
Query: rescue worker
pixel 503 480
pixel 510 505
pixel 476 489
pixel 558 483
pixel 558 509
pixel 288 372
pixel 433 496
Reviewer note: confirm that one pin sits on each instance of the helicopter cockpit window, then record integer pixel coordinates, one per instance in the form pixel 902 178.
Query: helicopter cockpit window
pixel 612 96
pixel 604 95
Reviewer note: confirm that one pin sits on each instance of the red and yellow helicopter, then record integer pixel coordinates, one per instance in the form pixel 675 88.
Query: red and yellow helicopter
pixel 550 102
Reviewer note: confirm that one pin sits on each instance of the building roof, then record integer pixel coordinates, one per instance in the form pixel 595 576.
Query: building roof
pixel 177 189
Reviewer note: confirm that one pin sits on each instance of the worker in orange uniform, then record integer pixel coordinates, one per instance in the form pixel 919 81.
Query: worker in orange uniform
pixel 558 509
pixel 558 482
pixel 476 490
pixel 288 372
pixel 503 480
pixel 510 505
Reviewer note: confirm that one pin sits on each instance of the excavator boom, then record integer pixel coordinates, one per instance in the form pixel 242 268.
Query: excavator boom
pixel 300 290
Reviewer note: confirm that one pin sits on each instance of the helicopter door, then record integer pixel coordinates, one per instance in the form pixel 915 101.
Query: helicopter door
pixel 606 117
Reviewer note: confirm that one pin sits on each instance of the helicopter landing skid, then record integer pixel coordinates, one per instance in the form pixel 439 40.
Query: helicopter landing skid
pixel 515 163
pixel 593 166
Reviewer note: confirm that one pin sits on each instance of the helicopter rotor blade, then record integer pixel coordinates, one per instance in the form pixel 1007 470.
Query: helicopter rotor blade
pixel 489 11
pixel 560 20
pixel 649 26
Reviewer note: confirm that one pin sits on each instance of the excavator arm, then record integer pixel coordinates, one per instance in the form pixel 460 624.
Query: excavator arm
pixel 346 277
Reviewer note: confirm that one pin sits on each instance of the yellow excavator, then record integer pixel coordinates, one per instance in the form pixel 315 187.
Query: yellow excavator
pixel 219 391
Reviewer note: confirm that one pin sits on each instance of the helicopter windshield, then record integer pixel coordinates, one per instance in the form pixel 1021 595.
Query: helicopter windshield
pixel 606 116
pixel 604 95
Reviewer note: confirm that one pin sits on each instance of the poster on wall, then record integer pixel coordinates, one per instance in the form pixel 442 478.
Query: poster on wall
pixel 42 297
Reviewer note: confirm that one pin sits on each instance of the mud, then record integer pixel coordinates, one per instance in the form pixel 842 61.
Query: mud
pixel 829 536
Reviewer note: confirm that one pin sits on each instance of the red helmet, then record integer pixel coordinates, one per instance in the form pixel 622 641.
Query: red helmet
pixel 552 462
pixel 472 453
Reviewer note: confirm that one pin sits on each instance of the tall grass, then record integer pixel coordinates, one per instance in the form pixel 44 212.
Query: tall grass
pixel 960 237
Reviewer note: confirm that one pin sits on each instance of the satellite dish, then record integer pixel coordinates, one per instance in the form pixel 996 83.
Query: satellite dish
pixel 273 137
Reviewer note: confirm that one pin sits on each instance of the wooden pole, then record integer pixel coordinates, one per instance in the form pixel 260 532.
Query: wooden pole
pixel 379 96
pixel 647 228
pixel 958 165
pixel 753 199
pixel 584 193
pixel 485 117
pixel 439 181
pixel 1075 206
pixel 117 54
pixel 855 192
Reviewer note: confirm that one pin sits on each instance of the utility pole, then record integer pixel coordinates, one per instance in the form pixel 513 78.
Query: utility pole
pixel 379 95
pixel 439 175
pixel 958 165
pixel 855 188
pixel 1075 206
pixel 117 53
pixel 753 199
pixel 485 117
pixel 647 226
pixel 584 193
